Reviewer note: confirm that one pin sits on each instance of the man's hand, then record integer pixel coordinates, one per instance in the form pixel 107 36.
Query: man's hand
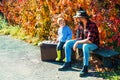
pixel 75 46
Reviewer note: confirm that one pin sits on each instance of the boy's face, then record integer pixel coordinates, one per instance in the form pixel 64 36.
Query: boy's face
pixel 62 23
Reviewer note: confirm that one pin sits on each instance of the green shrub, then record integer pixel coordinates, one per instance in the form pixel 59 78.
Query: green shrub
pixel 14 30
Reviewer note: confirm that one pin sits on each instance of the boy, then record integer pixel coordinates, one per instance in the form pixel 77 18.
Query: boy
pixel 64 34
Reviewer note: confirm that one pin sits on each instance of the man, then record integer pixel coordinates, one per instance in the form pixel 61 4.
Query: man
pixel 89 41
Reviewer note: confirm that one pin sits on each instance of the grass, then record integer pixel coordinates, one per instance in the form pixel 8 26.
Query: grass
pixel 16 32
pixel 111 75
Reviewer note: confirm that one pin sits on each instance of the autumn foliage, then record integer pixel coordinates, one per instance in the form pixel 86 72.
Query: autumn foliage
pixel 38 17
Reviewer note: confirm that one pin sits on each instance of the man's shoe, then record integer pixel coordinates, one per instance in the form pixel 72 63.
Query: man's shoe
pixel 84 71
pixel 66 66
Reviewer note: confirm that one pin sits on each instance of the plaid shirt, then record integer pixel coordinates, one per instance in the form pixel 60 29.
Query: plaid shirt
pixel 91 32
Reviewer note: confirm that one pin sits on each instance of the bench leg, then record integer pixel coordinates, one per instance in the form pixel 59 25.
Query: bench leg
pixel 110 63
pixel 107 62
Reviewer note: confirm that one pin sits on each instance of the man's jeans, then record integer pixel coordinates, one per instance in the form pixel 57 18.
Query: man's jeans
pixel 86 48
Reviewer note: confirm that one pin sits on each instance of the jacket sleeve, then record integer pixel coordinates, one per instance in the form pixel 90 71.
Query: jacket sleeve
pixel 69 34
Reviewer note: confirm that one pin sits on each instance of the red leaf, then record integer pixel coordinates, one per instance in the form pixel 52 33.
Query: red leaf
pixel 20 0
pixel 118 42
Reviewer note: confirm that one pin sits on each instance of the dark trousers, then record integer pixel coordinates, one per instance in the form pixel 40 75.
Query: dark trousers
pixel 60 46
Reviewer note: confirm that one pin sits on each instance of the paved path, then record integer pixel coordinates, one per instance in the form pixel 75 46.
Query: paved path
pixel 21 61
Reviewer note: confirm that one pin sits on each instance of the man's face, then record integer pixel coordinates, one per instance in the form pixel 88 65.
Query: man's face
pixel 78 19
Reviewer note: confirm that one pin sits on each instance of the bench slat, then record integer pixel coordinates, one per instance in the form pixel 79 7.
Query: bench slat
pixel 105 52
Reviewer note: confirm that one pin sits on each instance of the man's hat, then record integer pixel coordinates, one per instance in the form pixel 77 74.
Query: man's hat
pixel 81 13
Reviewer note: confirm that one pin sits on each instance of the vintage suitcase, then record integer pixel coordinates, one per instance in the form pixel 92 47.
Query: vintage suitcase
pixel 48 51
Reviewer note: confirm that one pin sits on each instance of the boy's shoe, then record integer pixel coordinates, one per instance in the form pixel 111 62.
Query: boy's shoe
pixel 64 60
pixel 57 59
pixel 58 56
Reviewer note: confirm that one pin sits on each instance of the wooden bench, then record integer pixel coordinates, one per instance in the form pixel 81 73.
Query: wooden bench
pixel 105 58
pixel 108 57
pixel 105 52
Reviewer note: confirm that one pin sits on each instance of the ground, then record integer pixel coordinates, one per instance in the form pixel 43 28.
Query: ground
pixel 21 61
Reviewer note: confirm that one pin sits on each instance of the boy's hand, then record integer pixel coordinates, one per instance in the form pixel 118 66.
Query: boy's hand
pixel 56 41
